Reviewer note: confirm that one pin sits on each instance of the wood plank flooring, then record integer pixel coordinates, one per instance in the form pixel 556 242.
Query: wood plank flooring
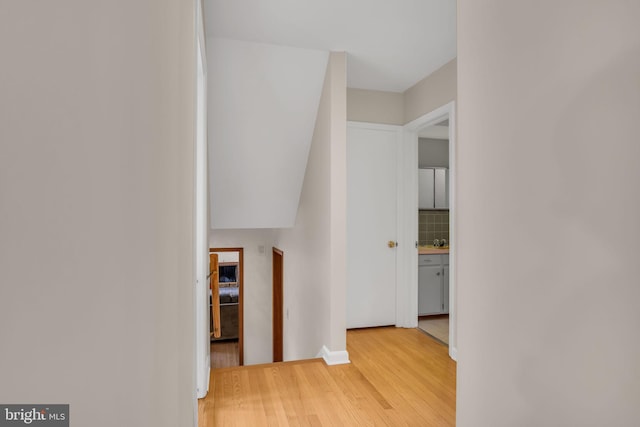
pixel 397 377
pixel 224 354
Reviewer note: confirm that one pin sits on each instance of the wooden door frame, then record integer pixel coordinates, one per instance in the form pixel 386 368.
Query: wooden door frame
pixel 277 304
pixel 240 298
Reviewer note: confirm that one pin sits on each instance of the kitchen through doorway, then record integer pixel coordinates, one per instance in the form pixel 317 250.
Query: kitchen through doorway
pixel 227 344
pixel 434 237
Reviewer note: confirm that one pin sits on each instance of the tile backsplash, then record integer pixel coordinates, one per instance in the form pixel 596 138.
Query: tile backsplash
pixel 432 224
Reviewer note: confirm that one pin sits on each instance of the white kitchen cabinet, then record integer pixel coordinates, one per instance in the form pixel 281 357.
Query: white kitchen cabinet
pixel 433 187
pixel 429 289
pixel 426 182
pixel 445 288
pixel 433 284
pixel 441 189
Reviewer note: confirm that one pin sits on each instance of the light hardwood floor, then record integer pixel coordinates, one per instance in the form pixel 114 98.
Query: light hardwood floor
pixel 397 377
pixel 437 326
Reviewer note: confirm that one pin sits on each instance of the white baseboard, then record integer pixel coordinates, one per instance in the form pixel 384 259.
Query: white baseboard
pixel 334 357
pixel 202 393
pixel 453 353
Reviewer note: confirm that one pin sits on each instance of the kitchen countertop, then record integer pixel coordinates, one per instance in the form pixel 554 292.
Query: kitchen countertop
pixel 432 250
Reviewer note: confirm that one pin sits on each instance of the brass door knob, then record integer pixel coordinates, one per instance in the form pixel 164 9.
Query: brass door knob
pixel 392 244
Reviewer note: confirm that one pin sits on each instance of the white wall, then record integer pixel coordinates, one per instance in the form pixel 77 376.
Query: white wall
pixel 202 217
pixel 228 256
pixel 374 106
pixel 263 101
pixel 257 297
pixel 338 203
pixel 315 249
pixel 548 320
pixel 435 90
pixel 97 136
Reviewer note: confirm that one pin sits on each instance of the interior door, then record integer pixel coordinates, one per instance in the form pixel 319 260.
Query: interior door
pixel 372 155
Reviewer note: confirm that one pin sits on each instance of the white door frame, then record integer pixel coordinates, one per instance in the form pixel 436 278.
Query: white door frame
pixel 408 223
pixel 201 219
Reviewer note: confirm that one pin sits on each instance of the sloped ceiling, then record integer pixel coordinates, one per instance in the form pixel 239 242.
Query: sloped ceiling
pixel 263 101
pixel 391 44
pixel 266 66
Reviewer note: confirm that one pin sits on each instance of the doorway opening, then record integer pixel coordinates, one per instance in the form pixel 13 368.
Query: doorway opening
pixel 433 230
pixel 431 145
pixel 226 302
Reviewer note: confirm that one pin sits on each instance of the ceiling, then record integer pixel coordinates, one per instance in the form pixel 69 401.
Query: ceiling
pixel 391 44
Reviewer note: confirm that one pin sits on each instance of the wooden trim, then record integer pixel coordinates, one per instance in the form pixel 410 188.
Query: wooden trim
pixel 241 307
pixel 240 298
pixel 278 303
pixel 215 289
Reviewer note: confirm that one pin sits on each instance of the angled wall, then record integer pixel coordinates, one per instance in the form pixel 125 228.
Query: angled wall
pixel 314 249
pixel 263 101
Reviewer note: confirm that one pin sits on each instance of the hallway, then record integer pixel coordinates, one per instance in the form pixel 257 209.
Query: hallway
pixel 396 377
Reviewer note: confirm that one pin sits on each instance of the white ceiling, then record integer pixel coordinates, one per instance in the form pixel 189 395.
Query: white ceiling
pixel 391 44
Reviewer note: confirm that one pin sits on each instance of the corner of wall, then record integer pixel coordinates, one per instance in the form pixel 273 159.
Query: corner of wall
pixel 435 90
pixel 338 202
pixel 340 357
pixel 315 248
pixel 453 353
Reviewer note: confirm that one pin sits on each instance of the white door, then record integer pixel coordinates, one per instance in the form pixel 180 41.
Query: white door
pixel 372 156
